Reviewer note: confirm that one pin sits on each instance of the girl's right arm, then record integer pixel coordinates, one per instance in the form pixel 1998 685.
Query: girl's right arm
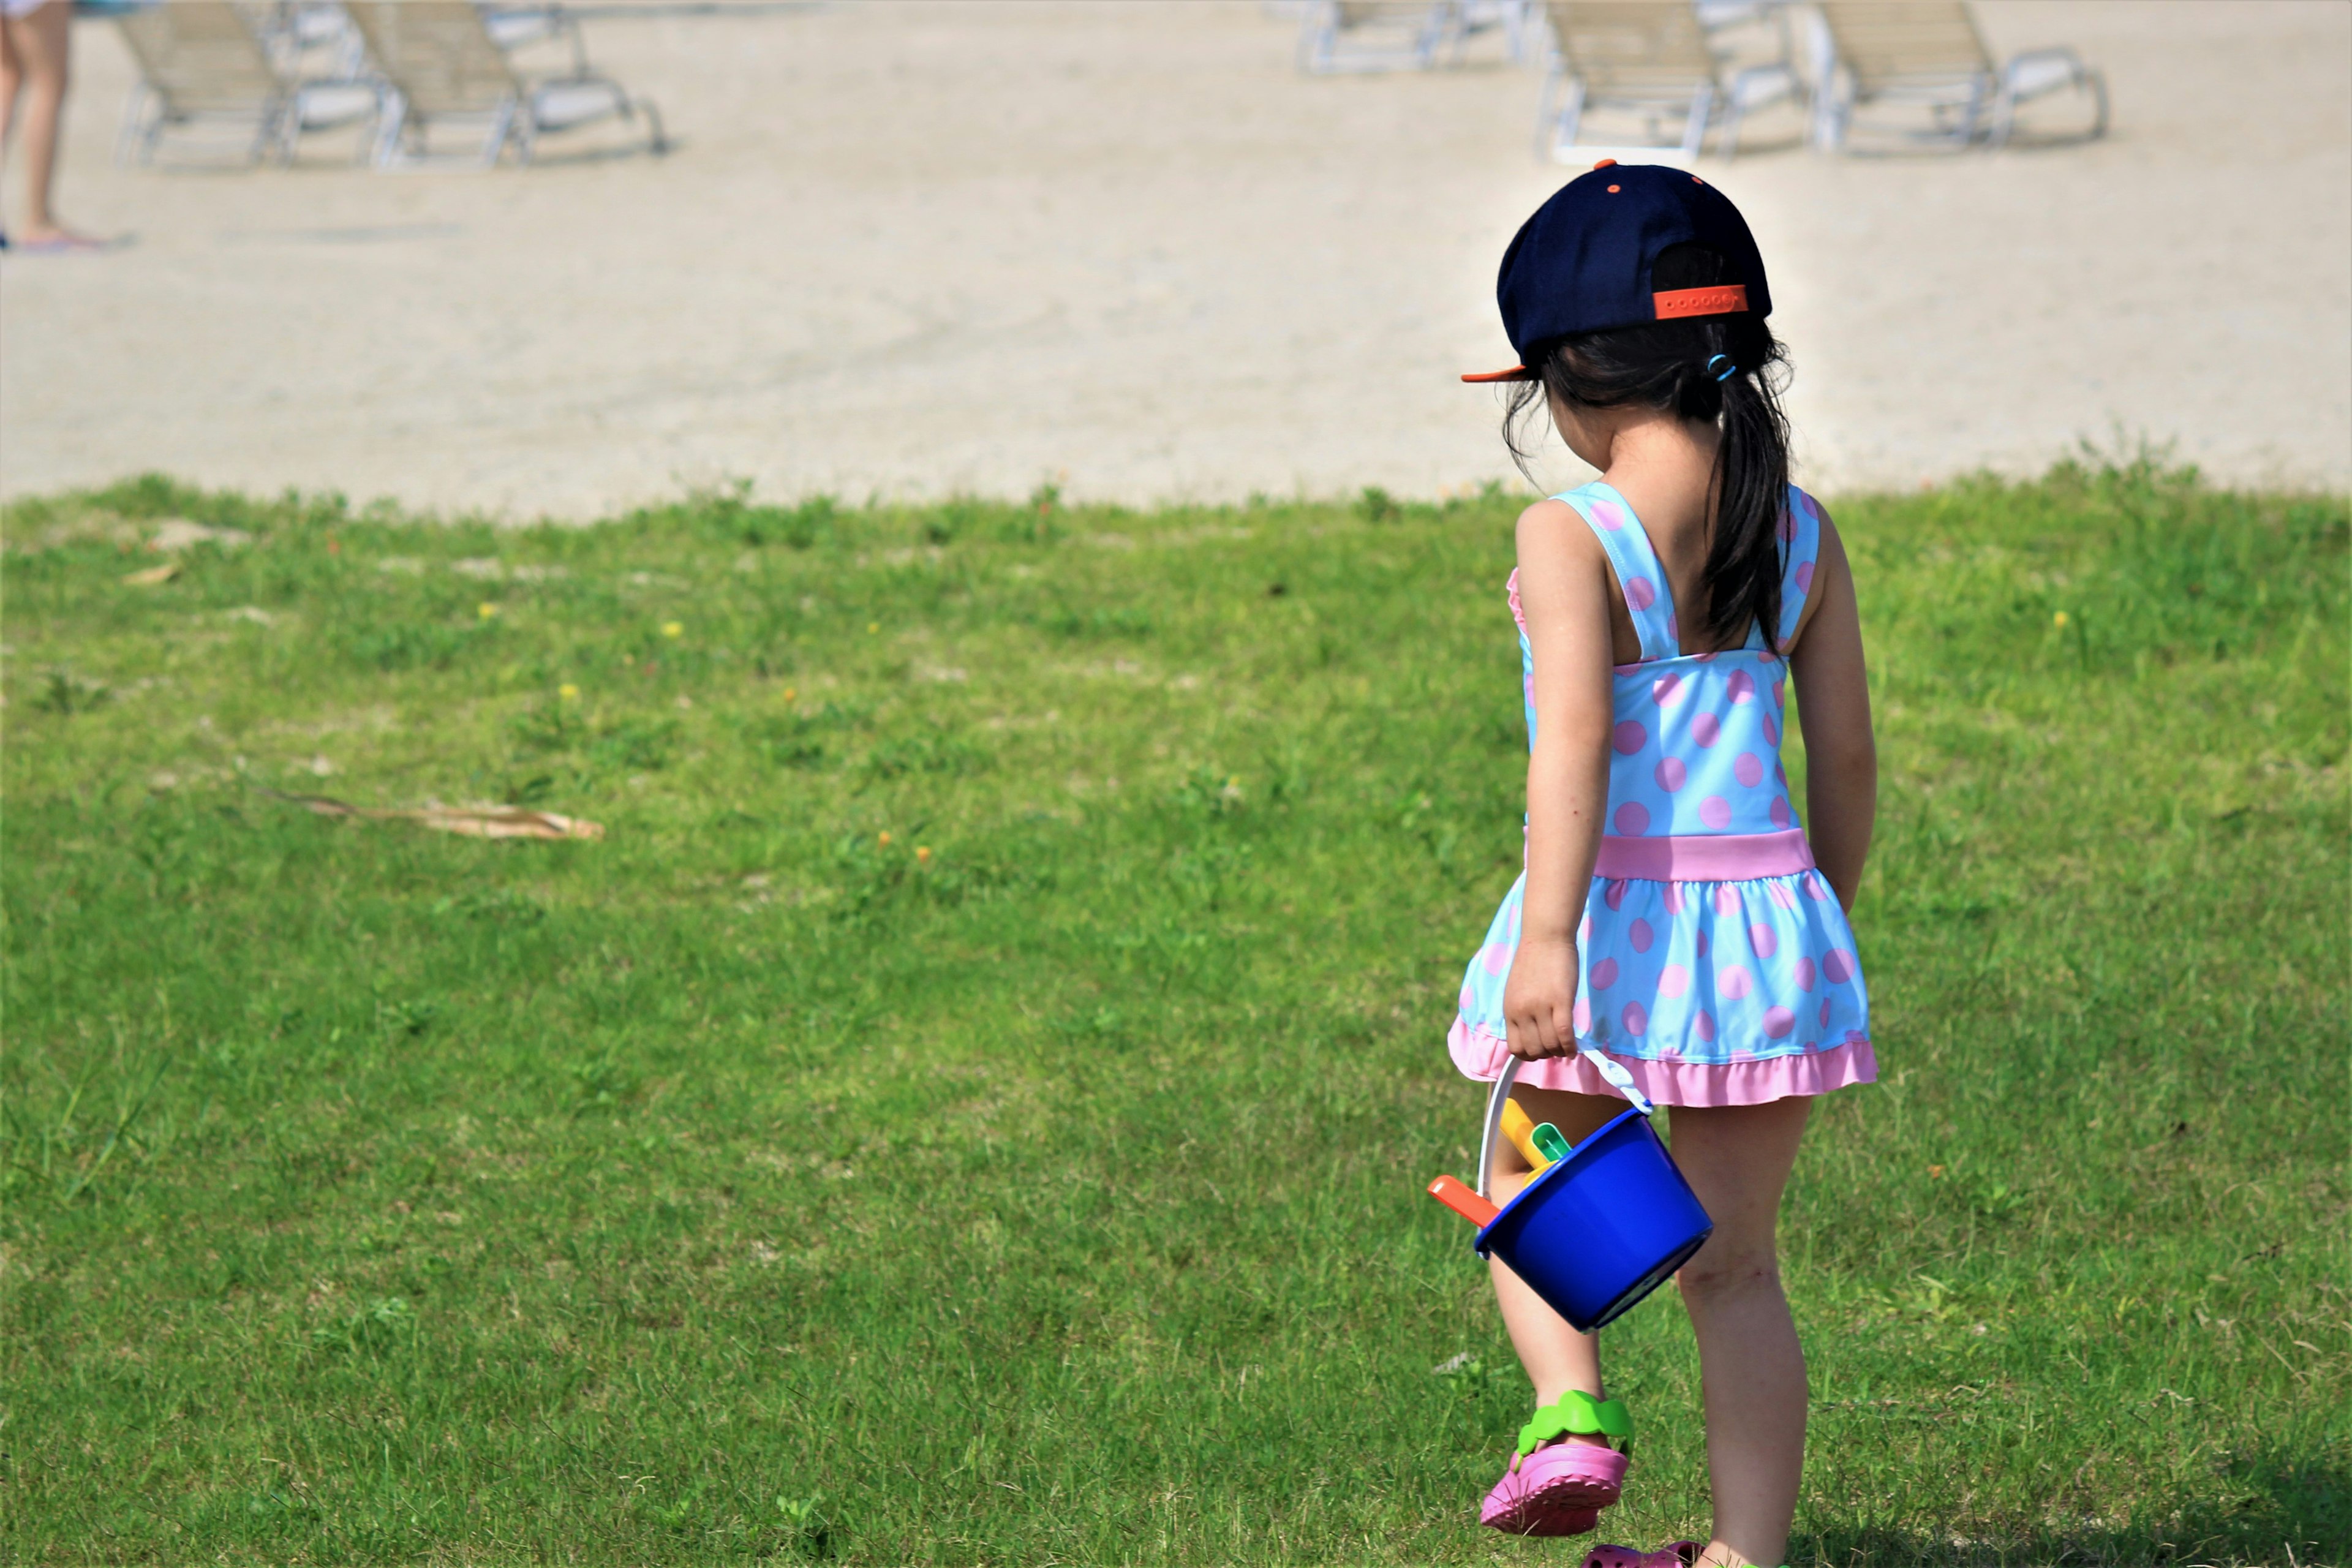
pixel 1833 711
pixel 1564 596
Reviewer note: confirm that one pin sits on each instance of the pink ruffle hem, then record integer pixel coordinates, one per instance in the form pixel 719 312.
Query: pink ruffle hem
pixel 1759 1081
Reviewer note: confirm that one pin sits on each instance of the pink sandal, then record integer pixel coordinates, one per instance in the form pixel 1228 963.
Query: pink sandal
pixel 1673 1554
pixel 1559 1489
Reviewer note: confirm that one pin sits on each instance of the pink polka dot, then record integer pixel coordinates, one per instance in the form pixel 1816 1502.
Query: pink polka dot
pixel 1702 944
pixel 1635 1018
pixel 1813 507
pixel 1727 899
pixel 1778 893
pixel 1760 938
pixel 1780 694
pixel 1771 732
pixel 1670 774
pixel 1468 1001
pixel 1748 769
pixel 1628 738
pixel 1584 929
pixel 1674 627
pixel 1580 1016
pixel 1742 1054
pixel 1604 974
pixel 1787 527
pixel 1734 981
pixel 1778 1021
pixel 1804 576
pixel 1706 729
pixel 1815 888
pixel 1715 811
pixel 1633 820
pixel 1613 895
pixel 1640 936
pixel 1639 592
pixel 1664 690
pixel 1742 686
pixel 1825 1011
pixel 1780 773
pixel 1704 1025
pixel 1673 980
pixel 1838 965
pixel 1674 898
pixel 1780 813
pixel 1804 974
pixel 1496 958
pixel 1608 516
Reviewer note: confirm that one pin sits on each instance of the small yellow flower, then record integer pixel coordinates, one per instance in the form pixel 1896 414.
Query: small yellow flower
pixel 791 694
pixel 873 627
pixel 569 692
pixel 885 841
pixel 922 852
pixel 2059 619
pixel 673 630
pixel 486 610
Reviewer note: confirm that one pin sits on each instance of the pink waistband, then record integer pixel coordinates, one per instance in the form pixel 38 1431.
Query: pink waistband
pixel 1705 856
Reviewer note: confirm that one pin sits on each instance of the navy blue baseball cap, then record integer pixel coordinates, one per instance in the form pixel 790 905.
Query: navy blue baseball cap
pixel 1581 263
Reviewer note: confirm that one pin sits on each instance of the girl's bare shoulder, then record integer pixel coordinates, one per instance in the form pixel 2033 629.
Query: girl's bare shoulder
pixel 1552 531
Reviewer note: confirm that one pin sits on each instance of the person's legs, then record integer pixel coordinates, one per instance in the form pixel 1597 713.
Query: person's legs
pixel 1556 1358
pixel 11 73
pixel 38 44
pixel 1753 1369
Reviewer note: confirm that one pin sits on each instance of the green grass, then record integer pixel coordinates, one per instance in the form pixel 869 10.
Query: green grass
pixel 744 1186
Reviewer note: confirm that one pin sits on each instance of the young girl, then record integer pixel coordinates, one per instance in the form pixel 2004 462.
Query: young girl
pixel 1673 915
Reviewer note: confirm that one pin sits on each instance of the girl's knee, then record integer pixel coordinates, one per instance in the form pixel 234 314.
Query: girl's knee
pixel 1704 1276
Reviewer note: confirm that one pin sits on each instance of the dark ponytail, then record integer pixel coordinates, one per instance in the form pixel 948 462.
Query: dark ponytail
pixel 1726 370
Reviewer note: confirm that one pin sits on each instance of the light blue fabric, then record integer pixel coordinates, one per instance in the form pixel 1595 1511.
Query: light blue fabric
pixel 1690 971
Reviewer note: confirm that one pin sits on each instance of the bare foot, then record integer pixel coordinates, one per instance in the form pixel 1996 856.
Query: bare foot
pixel 54 238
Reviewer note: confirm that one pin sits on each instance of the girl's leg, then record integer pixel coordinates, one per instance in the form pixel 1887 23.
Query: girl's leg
pixel 1752 1371
pixel 12 75
pixel 1556 1358
pixel 37 50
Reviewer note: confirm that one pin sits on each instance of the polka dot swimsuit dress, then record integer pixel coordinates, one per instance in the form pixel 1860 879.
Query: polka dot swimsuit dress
pixel 1717 968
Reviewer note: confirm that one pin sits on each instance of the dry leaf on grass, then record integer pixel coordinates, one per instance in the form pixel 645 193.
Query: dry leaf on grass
pixel 154 575
pixel 473 821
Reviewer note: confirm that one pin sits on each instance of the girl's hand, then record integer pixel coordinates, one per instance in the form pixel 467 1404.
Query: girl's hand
pixel 1539 999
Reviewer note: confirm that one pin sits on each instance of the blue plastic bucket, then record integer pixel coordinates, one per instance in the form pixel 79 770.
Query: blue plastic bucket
pixel 1600 1230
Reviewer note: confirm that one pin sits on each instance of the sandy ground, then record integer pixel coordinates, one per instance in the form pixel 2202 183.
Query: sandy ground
pixel 921 249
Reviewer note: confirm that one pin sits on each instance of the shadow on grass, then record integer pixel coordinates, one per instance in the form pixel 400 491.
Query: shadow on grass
pixel 2293 1511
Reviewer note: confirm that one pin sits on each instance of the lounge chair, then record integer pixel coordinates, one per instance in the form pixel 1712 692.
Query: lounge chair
pixel 198 60
pixel 1655 60
pixel 1929 52
pixel 443 59
pixel 1336 37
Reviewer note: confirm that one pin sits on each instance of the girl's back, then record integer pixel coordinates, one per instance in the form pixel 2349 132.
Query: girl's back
pixel 1713 939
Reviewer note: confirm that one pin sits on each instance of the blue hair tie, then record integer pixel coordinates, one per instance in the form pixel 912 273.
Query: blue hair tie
pixel 1730 369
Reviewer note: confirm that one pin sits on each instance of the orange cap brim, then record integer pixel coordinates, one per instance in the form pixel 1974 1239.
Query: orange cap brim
pixel 1517 373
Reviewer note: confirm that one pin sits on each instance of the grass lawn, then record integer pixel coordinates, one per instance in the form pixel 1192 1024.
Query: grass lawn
pixel 972 1104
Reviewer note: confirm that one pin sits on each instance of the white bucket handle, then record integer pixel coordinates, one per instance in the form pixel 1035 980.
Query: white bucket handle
pixel 1619 1080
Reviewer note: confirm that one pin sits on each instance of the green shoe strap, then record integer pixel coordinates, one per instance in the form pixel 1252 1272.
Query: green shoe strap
pixel 1578 1413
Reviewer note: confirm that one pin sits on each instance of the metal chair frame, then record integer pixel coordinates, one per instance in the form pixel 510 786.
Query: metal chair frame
pixel 1694 89
pixel 257 81
pixel 515 113
pixel 1436 25
pixel 1970 100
